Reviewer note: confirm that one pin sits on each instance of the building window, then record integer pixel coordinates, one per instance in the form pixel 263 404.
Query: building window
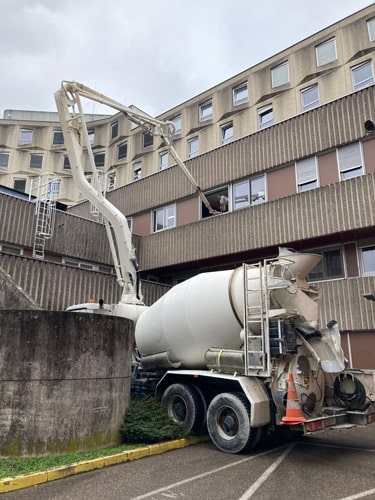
pixel 114 130
pixel 111 181
pixel 205 111
pixel 218 199
pixel 36 161
pixel 240 94
pixel 249 192
pixel 10 249
pixel 362 75
pixel 58 138
pixel 326 52
pixel 330 267
pixel 147 139
pixel 306 174
pixel 137 170
pixel 122 151
pixel 177 122
pixel 53 187
pixel 26 136
pixel 192 147
pixel 66 162
pixel 227 133
pixel 163 160
pixel 4 160
pixel 368 260
pixel 371 29
pixel 310 97
pixel 99 160
pixel 265 116
pixel 280 74
pixel 164 218
pixel 349 159
pixel 91 134
pixel 19 185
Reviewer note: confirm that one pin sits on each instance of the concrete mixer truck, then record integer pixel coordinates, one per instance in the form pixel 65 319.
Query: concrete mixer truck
pixel 238 353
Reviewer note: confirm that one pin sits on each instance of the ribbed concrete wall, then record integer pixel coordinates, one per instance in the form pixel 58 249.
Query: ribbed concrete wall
pixel 64 381
pixel 320 212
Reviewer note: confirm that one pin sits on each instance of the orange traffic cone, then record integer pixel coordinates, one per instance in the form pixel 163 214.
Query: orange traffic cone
pixel 293 414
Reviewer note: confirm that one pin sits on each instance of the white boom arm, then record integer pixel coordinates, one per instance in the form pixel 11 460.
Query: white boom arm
pixel 76 139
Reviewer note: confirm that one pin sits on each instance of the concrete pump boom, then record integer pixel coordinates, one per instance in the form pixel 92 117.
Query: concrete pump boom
pixel 69 106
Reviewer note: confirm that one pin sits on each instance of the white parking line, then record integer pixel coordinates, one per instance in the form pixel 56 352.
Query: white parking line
pixel 359 495
pixel 204 474
pixel 266 474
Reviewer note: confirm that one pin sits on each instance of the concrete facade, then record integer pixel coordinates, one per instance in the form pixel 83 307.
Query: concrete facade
pixel 65 381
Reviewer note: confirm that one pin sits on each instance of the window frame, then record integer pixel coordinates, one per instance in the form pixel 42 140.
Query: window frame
pixel 114 129
pixel 123 145
pixel 147 139
pixel 323 264
pixel 190 142
pixel 202 107
pixel 352 168
pixel 177 119
pixel 66 163
pixel 223 129
pixel 4 154
pixel 264 111
pixel 275 77
pixel 26 136
pixel 252 197
pixel 163 160
pixel 111 181
pixel 164 212
pixel 363 249
pixel 19 179
pixel 34 156
pixel 237 90
pixel 371 29
pixel 97 159
pixel 214 198
pixel 362 84
pixel 305 185
pixel 54 187
pixel 325 60
pixel 137 170
pixel 58 133
pixel 306 106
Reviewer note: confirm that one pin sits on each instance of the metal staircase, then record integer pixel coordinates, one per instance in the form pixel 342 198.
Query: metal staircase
pixel 45 191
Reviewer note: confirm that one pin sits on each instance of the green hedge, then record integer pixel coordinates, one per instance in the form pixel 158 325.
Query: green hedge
pixel 147 421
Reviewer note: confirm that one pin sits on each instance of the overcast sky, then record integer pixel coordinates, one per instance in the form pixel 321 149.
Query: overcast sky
pixel 154 54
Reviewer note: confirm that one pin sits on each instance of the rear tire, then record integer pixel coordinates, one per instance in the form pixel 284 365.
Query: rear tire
pixel 228 423
pixel 186 405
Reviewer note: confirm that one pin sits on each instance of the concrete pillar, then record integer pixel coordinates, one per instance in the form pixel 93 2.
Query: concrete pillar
pixel 64 381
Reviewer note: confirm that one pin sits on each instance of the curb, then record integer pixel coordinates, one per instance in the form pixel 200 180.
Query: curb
pixel 25 481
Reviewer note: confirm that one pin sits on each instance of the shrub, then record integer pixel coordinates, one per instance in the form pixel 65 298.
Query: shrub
pixel 147 421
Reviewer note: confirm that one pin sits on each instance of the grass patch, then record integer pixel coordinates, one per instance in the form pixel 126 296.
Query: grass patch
pixel 146 422
pixel 10 467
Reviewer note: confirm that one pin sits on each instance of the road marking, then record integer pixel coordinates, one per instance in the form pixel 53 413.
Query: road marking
pixel 340 446
pixel 205 474
pixel 360 495
pixel 266 474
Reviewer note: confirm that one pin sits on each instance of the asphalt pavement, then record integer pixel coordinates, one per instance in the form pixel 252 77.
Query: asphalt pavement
pixel 336 465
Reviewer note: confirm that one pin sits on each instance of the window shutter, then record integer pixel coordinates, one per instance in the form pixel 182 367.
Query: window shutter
pixel 349 156
pixel 326 52
pixel 371 29
pixel 280 75
pixel 306 170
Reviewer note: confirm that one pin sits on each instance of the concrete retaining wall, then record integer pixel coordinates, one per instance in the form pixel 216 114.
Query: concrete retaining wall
pixel 64 381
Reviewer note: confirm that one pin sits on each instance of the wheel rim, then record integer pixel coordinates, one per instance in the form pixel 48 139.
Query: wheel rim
pixel 178 410
pixel 227 422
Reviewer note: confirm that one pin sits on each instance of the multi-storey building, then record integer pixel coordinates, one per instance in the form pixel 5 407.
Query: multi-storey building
pixel 285 152
pixel 332 63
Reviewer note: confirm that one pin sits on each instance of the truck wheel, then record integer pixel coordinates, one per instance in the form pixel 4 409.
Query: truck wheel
pixel 186 405
pixel 228 423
